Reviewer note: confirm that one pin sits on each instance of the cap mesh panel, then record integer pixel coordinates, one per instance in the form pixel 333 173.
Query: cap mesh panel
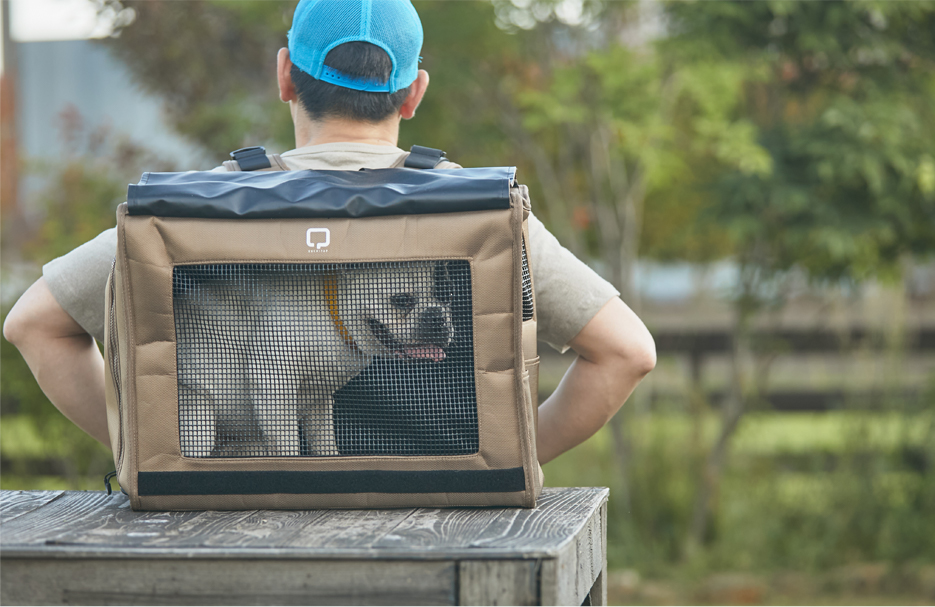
pixel 325 359
pixel 393 25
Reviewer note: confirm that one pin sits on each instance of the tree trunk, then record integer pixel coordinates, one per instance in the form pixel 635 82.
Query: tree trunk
pixel 698 407
pixel 731 412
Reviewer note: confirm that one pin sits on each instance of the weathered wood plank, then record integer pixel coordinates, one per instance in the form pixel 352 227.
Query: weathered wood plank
pixel 599 590
pixel 498 582
pixel 554 576
pixel 111 523
pixel 568 578
pixel 225 582
pixel 559 515
pixel 587 557
pixel 69 510
pixel 348 529
pixel 18 503
pixel 264 528
pixel 598 594
pixel 198 531
pixel 481 556
pixel 441 529
pixel 120 527
pixel 90 524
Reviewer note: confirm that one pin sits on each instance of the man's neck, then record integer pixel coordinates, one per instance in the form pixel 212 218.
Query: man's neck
pixel 336 130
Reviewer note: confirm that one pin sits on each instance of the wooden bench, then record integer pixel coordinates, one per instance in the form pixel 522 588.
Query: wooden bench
pixel 85 547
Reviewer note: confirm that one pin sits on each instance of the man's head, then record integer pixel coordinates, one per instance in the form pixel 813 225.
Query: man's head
pixel 356 61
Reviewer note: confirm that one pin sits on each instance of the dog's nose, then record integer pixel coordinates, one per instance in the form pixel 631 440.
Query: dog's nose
pixel 433 327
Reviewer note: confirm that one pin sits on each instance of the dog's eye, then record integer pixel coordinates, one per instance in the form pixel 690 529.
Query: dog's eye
pixel 403 301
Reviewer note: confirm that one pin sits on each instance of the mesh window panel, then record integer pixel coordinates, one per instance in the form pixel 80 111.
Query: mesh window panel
pixel 325 359
pixel 527 288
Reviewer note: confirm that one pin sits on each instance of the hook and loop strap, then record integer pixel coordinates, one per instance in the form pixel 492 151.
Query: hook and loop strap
pixel 252 158
pixel 424 158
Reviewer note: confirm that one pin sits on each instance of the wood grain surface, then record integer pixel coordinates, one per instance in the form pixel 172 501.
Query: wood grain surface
pixel 237 582
pixel 85 547
pixel 16 503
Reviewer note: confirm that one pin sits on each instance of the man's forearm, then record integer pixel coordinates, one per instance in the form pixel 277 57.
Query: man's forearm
pixel 583 402
pixel 63 358
pixel 71 374
pixel 615 352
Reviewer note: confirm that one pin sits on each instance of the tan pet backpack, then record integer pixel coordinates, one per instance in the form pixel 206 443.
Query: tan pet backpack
pixel 323 339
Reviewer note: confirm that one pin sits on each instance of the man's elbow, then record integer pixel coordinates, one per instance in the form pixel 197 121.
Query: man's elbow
pixel 617 340
pixel 637 356
pixel 15 328
pixel 631 344
pixel 36 318
pixel 649 357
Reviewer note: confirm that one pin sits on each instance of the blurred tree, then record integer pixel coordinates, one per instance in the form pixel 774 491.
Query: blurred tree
pixel 214 64
pixel 611 125
pixel 845 113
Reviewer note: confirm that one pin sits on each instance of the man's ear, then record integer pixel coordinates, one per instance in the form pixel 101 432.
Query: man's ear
pixel 284 76
pixel 416 92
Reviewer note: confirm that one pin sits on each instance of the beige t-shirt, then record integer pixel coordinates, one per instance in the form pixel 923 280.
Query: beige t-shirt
pixel 568 293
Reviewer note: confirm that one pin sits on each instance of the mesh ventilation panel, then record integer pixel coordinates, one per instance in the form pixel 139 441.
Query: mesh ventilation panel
pixel 325 359
pixel 527 288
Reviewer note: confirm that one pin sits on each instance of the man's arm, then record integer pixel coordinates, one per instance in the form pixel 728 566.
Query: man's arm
pixel 62 356
pixel 615 351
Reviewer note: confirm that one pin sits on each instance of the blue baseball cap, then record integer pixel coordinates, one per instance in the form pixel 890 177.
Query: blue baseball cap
pixel 320 25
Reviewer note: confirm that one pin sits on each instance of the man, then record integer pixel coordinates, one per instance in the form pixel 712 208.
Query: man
pixel 350 75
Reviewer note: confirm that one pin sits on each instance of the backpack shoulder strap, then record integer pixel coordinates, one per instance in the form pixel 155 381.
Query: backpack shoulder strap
pixel 424 158
pixel 254 159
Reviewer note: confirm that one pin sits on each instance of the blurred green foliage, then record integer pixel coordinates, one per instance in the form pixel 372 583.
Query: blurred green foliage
pixel 804 491
pixel 845 113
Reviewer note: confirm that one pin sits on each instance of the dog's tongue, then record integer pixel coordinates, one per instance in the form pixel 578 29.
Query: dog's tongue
pixel 425 351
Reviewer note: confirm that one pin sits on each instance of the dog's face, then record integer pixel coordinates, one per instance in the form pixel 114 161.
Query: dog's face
pixel 401 310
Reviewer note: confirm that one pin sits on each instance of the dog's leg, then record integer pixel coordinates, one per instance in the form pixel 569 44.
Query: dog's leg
pixel 238 433
pixel 316 417
pixel 276 408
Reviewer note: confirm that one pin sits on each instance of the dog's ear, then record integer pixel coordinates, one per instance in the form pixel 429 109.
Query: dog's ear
pixel 444 286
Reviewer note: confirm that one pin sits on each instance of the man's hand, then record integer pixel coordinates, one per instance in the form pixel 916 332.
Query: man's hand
pixel 615 351
pixel 62 356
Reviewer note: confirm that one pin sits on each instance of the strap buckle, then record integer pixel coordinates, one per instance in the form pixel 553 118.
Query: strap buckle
pixel 424 158
pixel 252 158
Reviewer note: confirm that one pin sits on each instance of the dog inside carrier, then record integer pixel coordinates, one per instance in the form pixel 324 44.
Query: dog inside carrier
pixel 323 339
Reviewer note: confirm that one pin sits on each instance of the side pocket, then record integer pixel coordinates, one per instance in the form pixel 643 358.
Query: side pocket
pixel 112 383
pixel 532 368
pixel 530 386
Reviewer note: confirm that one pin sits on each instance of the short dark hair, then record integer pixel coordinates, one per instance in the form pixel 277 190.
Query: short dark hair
pixel 325 100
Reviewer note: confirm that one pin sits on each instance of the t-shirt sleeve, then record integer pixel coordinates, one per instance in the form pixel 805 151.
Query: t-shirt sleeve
pixel 568 293
pixel 78 280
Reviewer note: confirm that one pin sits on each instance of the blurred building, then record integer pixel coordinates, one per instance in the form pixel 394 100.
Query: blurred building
pixel 58 82
pixel 78 80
